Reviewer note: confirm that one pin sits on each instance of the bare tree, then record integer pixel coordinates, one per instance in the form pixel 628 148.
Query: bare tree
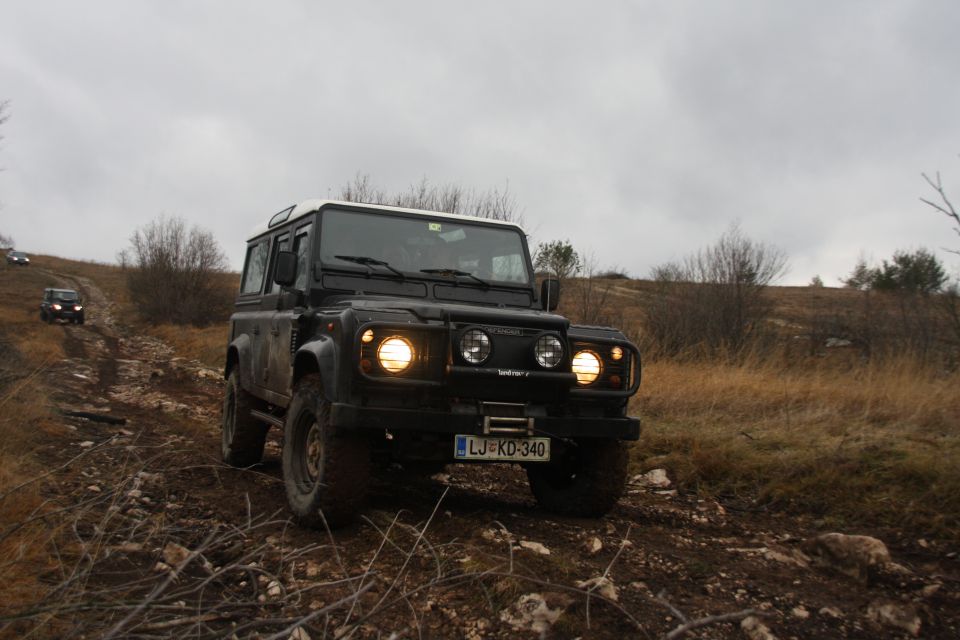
pixel 590 294
pixel 714 300
pixel 173 273
pixel 6 241
pixel 944 206
pixel 492 204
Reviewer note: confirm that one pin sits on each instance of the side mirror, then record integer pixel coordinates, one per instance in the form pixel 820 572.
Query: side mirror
pixel 285 271
pixel 550 294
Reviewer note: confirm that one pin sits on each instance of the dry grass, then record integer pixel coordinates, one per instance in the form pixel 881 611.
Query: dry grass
pixel 27 348
pixel 879 444
pixel 206 344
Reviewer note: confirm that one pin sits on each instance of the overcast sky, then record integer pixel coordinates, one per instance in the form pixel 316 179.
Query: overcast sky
pixel 637 130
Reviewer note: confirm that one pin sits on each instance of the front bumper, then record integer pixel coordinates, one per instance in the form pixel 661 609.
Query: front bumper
pixel 65 315
pixel 350 416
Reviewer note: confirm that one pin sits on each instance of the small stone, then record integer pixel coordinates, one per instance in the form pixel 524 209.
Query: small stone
pixel 593 546
pixel 135 494
pixel 536 547
pixel 162 567
pixel 755 630
pixel 86 444
pixel 274 590
pixel 923 543
pixel 601 585
pixel 895 615
pixel 831 612
pixel 655 479
pixel 174 554
pixel 856 556
pixel 930 589
pixel 800 612
pixel 94 488
pixel 299 634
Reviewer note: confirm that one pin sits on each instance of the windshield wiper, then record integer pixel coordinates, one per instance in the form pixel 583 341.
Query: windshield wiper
pixel 456 272
pixel 367 261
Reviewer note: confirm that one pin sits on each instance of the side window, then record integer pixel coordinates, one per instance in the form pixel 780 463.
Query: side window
pixel 301 246
pixel 254 268
pixel 281 243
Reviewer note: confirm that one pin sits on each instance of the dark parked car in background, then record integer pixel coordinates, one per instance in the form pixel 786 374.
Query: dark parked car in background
pixel 18 257
pixel 61 304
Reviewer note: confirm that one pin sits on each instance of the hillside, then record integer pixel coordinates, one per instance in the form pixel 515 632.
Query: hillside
pixel 137 529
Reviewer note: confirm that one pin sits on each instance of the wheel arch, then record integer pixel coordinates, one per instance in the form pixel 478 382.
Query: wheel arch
pixel 238 352
pixel 320 357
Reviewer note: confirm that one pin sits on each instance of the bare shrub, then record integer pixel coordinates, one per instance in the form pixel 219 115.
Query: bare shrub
pixel 714 300
pixel 889 325
pixel 492 204
pixel 589 297
pixel 173 273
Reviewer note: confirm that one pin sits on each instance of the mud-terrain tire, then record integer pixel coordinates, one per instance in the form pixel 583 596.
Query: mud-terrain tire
pixel 323 471
pixel 43 315
pixel 242 436
pixel 585 481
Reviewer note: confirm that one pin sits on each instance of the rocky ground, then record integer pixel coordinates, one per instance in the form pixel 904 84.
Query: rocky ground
pixel 165 541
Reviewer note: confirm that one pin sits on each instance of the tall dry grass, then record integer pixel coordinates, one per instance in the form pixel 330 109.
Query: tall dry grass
pixel 877 444
pixel 27 421
pixel 205 344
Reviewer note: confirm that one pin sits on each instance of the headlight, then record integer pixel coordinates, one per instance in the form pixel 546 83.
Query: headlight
pixel 77 307
pixel 548 350
pixel 395 354
pixel 56 307
pixel 586 364
pixel 475 346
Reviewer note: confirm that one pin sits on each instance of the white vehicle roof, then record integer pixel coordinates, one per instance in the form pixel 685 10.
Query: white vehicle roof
pixel 309 206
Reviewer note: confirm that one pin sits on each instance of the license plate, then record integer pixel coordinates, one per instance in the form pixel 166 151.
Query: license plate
pixel 504 449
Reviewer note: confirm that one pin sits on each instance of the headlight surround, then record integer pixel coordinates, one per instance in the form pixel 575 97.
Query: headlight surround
pixel 475 346
pixel 395 354
pixel 548 351
pixel 587 367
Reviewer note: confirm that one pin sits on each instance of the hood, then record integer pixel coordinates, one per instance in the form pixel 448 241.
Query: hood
pixel 461 313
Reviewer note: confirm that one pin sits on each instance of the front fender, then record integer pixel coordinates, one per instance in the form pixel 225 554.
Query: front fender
pixel 320 355
pixel 240 357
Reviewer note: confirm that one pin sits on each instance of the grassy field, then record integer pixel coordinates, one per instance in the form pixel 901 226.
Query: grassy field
pixel 27 348
pixel 851 442
pixel 877 445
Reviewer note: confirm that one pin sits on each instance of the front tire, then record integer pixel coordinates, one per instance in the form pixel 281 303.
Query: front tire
pixel 586 481
pixel 242 436
pixel 325 472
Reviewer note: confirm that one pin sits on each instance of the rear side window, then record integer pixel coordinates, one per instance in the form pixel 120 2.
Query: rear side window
pixel 254 268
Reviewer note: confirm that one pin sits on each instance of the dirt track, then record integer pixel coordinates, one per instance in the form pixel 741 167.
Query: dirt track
pixel 450 556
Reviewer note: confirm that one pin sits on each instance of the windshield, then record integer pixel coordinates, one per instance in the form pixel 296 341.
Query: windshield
pixel 416 244
pixel 66 296
pixel 18 254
